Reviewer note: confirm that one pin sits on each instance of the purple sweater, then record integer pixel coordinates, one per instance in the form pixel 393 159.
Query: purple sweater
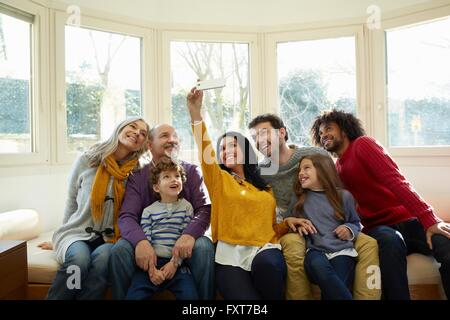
pixel 138 196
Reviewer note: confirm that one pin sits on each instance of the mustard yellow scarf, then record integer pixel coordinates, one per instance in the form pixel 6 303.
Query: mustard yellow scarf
pixel 111 168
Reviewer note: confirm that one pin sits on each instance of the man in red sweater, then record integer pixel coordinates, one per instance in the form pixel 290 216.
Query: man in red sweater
pixel 391 211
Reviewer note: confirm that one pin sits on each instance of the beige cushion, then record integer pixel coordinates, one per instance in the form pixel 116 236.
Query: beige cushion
pixel 42 265
pixel 22 224
pixel 423 269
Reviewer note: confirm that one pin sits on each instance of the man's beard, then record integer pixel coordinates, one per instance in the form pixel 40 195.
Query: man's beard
pixel 172 154
pixel 268 152
pixel 335 145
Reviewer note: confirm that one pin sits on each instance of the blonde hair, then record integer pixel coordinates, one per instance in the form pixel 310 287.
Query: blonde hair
pixel 100 151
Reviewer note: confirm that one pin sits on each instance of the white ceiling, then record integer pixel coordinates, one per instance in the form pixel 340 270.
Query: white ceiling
pixel 243 12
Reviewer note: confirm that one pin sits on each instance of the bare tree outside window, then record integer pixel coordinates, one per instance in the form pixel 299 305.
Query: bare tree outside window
pixel 225 108
pixel 314 76
pixel 103 83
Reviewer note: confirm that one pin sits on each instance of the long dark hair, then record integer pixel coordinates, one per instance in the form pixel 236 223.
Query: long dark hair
pixel 328 178
pixel 251 169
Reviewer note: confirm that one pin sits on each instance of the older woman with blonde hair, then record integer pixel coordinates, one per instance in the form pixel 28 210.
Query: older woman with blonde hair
pixel 96 187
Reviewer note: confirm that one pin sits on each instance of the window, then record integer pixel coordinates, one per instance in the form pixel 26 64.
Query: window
pixel 225 108
pixel 313 76
pixel 15 81
pixel 103 83
pixel 418 84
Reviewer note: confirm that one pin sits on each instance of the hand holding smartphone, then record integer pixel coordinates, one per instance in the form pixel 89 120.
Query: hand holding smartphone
pixel 210 84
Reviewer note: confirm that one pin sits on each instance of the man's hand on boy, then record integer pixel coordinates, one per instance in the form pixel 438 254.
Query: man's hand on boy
pixel 145 255
pixel 183 247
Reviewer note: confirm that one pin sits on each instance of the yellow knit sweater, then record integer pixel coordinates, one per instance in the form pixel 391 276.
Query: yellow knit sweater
pixel 240 213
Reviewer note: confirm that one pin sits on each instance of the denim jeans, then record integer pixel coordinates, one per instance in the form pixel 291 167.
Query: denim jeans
pixel 334 277
pixel 181 285
pixel 266 280
pixel 92 261
pixel 201 265
pixel 395 243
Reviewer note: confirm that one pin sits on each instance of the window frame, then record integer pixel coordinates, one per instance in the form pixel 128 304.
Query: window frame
pixel 255 83
pixel 356 31
pixel 62 154
pixel 411 155
pixel 39 89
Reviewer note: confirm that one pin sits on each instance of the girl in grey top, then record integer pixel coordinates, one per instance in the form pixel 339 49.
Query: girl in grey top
pixel 97 183
pixel 326 215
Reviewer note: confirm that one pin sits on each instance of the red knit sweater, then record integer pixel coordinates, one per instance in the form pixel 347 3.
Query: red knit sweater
pixel 383 195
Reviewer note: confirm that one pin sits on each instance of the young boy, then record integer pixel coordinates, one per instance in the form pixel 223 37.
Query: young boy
pixel 163 223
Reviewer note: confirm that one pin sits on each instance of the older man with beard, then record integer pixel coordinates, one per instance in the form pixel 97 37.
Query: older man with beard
pixel 134 250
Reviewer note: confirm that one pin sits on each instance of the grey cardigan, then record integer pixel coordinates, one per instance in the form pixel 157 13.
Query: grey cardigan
pixel 77 214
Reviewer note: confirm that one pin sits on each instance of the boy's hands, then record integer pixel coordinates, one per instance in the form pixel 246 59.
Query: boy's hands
pixel 169 269
pixel 156 276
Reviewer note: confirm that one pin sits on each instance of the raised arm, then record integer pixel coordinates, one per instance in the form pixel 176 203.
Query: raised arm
pixel 207 156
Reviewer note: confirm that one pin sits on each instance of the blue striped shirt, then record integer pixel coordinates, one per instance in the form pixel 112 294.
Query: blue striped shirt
pixel 163 224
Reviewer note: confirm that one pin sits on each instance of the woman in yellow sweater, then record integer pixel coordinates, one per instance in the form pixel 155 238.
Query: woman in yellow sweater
pixel 249 262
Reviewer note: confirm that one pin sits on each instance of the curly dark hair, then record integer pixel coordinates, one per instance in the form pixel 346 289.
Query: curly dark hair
pixel 347 122
pixel 275 121
pixel 165 165
pixel 251 169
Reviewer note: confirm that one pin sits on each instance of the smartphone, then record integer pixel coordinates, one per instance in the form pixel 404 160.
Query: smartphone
pixel 210 84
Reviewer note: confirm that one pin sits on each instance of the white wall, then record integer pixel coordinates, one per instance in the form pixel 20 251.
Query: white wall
pixel 45 191
pixel 433 184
